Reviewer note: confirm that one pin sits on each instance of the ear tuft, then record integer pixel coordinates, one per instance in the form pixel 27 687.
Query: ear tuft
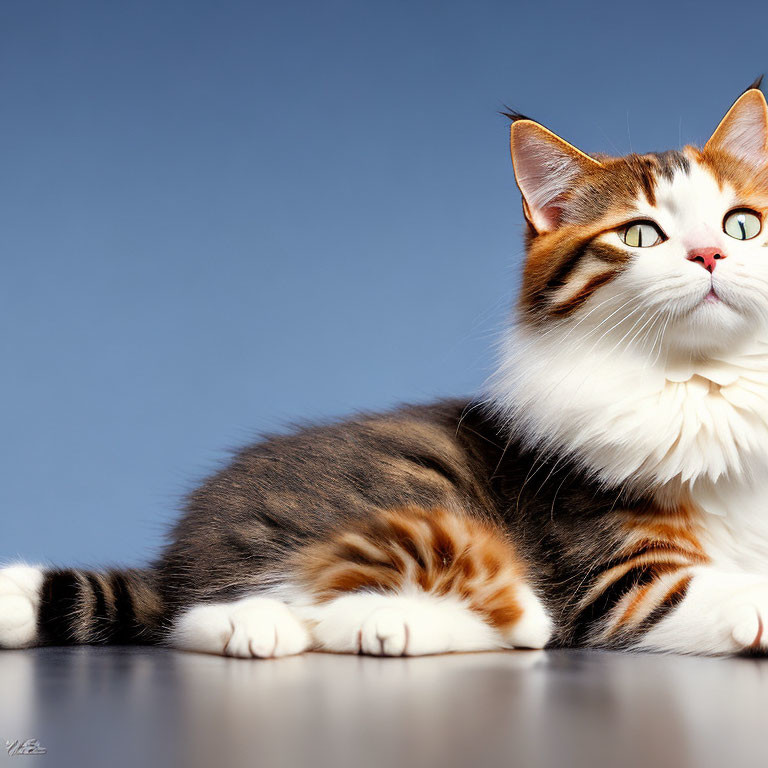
pixel 512 114
pixel 756 84
pixel 743 132
pixel 545 169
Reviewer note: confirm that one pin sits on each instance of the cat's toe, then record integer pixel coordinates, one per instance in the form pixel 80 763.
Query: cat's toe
pixel 19 601
pixel 385 633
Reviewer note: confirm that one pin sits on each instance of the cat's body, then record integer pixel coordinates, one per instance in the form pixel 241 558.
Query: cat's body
pixel 250 530
pixel 611 490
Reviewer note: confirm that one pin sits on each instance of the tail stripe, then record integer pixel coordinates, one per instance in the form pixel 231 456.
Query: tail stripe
pixel 59 603
pixel 90 607
pixel 123 606
pixel 98 622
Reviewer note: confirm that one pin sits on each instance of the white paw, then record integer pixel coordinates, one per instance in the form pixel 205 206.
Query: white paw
pixel 19 602
pixel 255 627
pixel 746 617
pixel 534 628
pixel 399 625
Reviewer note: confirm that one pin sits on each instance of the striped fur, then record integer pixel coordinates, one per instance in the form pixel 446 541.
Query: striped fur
pixel 113 606
pixel 645 578
pixel 434 550
pixel 567 265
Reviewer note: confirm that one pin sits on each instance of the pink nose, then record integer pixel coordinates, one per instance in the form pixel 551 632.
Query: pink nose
pixel 706 257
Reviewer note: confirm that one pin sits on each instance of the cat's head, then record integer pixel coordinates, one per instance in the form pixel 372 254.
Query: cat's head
pixel 667 252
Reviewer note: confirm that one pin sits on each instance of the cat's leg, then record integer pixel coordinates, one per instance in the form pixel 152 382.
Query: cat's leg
pixel 657 589
pixel 721 613
pixel 418 581
pixel 253 627
pixel 410 581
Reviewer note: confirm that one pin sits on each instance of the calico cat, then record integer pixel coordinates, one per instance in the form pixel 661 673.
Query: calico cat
pixel 611 490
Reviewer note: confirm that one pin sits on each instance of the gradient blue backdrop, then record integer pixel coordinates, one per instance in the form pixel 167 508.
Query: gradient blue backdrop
pixel 220 217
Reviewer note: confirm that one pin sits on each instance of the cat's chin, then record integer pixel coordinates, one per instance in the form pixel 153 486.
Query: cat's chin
pixel 713 327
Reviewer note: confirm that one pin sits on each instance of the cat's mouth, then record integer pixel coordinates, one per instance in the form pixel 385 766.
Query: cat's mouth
pixel 713 296
pixel 711 299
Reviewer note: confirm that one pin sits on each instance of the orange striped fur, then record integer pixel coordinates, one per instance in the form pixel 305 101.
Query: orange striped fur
pixel 438 551
pixel 648 573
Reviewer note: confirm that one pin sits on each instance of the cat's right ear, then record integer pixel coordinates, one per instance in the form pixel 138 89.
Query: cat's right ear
pixel 545 168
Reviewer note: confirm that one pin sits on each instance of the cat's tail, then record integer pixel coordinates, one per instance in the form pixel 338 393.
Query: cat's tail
pixel 40 606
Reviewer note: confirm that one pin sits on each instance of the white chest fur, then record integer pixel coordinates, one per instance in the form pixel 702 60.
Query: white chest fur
pixel 694 427
pixel 735 524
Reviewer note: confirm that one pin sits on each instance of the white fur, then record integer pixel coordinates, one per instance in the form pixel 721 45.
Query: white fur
pixel 19 602
pixel 254 627
pixel 534 628
pixel 398 625
pixel 626 420
pixel 412 623
pixel 416 624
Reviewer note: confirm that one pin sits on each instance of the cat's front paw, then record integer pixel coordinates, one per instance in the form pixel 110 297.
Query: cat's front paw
pixel 254 627
pixel 722 613
pixel 746 616
pixel 399 625
pixel 19 601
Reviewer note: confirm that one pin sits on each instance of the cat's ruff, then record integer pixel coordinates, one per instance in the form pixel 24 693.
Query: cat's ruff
pixel 667 428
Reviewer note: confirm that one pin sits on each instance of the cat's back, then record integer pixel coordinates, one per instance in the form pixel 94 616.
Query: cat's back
pixel 288 489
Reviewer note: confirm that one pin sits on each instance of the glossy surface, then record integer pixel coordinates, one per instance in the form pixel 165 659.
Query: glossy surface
pixel 127 706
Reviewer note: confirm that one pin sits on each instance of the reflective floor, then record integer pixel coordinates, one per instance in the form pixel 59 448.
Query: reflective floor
pixel 138 707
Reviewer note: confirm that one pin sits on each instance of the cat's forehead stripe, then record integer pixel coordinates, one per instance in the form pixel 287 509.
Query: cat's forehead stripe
pixel 695 195
pixel 628 177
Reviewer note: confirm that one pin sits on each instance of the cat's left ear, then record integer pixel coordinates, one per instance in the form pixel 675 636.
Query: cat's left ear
pixel 743 132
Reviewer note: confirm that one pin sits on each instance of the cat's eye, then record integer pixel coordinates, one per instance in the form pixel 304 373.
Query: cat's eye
pixel 641 234
pixel 742 224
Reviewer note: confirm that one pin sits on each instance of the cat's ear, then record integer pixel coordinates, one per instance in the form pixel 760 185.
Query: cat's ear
pixel 743 132
pixel 545 169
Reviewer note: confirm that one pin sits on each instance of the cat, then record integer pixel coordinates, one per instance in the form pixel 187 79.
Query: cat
pixel 608 490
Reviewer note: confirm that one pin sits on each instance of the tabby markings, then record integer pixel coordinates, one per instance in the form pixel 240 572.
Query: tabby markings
pixel 648 577
pixel 434 550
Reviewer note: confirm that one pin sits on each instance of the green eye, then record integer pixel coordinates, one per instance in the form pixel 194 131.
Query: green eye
pixel 742 224
pixel 641 234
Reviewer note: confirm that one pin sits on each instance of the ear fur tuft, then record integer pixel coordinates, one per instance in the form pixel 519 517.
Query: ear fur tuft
pixel 756 85
pixel 513 114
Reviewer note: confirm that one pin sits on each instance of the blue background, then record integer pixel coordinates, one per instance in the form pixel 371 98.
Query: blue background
pixel 217 218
